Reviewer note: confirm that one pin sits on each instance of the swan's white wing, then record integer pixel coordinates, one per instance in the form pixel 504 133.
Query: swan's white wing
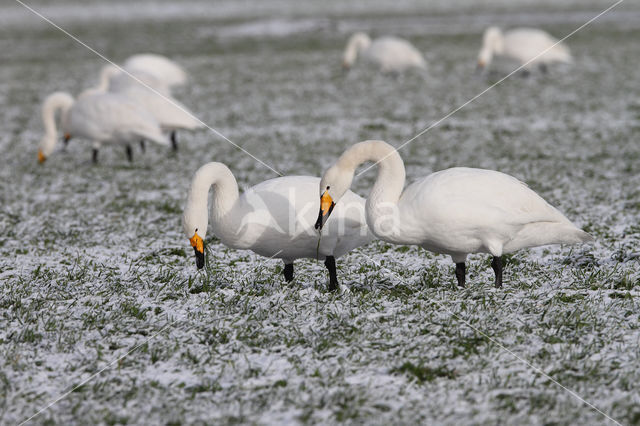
pixel 462 209
pixel 525 44
pixel 278 216
pixel 113 118
pixel 170 113
pixel 161 67
pixel 393 53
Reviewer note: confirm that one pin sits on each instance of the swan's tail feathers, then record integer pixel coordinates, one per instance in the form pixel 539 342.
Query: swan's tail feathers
pixel 155 136
pixel 544 233
pixel 584 237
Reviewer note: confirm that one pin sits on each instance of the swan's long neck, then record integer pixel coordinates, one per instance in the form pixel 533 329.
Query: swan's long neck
pixel 105 77
pixel 382 203
pixel 225 194
pixel 58 101
pixel 357 43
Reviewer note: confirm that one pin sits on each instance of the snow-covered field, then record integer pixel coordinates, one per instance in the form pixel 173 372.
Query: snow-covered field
pixel 98 285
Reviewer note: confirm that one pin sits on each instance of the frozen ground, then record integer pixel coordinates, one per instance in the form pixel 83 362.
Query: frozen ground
pixel 93 263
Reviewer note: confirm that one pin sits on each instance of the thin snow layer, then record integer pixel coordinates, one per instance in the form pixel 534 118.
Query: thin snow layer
pixel 101 303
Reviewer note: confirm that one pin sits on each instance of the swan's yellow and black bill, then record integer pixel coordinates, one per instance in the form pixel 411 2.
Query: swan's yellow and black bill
pixel 326 207
pixel 198 247
pixel 41 157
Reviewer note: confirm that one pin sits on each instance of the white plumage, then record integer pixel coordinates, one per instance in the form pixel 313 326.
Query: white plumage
pixel 456 211
pixel 99 117
pixel 522 45
pixel 391 54
pixel 274 218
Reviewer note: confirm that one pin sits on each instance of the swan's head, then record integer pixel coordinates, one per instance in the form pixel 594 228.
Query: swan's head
pixel 335 182
pixel 492 43
pixel 357 42
pixel 195 228
pixel 58 101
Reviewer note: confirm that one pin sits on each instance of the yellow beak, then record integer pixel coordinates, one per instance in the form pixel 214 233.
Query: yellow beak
pixel 325 203
pixel 41 157
pixel 198 247
pixel 326 207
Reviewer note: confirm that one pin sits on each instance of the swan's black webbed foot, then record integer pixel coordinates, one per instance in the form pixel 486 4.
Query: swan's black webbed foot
pixel 496 264
pixel 330 263
pixel 461 271
pixel 288 272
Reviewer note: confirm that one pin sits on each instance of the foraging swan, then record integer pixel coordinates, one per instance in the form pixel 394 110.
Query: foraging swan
pixel 522 44
pixel 101 118
pixel 274 219
pixel 161 72
pixel 455 211
pixel 171 114
pixel 392 54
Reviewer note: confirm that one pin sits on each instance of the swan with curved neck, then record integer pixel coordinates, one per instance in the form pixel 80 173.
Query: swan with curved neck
pixel 57 102
pixel 455 211
pixel 391 54
pixel 526 45
pixel 98 117
pixel 274 219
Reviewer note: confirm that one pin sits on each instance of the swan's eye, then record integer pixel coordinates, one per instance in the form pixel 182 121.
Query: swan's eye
pixel 196 230
pixel 328 187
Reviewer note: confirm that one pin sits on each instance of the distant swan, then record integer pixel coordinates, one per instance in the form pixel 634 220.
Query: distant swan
pixel 156 99
pixel 274 219
pixel 455 211
pixel 162 72
pixel 522 45
pixel 391 54
pixel 100 118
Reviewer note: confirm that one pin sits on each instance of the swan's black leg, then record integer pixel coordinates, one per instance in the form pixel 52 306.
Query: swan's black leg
pixel 496 264
pixel 330 263
pixel 143 148
pixel 94 156
pixel 129 153
pixel 461 271
pixel 288 272
pixel 174 141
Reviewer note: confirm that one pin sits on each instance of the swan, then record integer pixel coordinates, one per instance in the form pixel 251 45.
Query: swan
pixel 162 72
pixel 456 211
pixel 392 54
pixel 274 219
pixel 99 117
pixel 523 45
pixel 170 113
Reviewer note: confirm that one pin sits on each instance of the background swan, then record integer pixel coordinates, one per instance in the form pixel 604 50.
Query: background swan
pixel 163 73
pixel 98 117
pixel 156 99
pixel 274 219
pixel 522 44
pixel 389 53
pixel 455 211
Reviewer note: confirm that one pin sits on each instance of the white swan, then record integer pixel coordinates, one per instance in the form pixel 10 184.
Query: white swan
pixel 455 211
pixel 162 72
pixel 523 45
pixel 391 54
pixel 99 117
pixel 274 218
pixel 170 113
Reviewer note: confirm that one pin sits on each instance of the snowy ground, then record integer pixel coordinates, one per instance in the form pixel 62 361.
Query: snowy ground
pixel 93 263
